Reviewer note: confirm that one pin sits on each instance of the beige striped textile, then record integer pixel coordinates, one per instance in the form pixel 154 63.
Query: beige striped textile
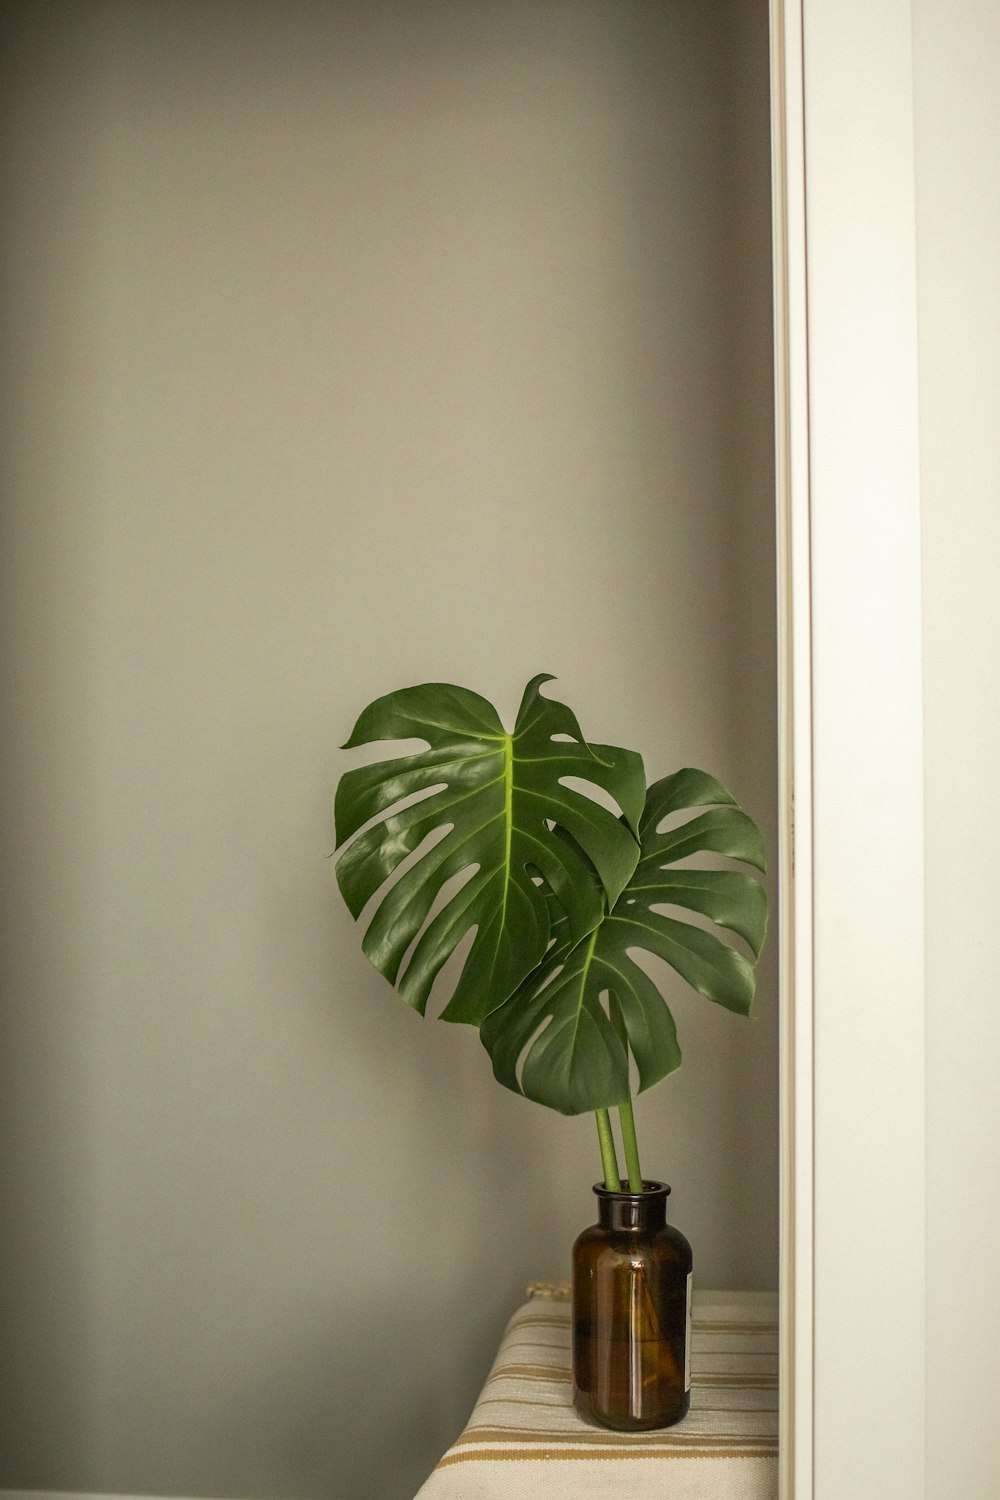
pixel 526 1440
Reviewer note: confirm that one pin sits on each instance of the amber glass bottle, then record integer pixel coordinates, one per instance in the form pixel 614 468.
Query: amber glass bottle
pixel 632 1313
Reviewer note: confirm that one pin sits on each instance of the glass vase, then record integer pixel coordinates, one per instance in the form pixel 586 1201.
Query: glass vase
pixel 632 1313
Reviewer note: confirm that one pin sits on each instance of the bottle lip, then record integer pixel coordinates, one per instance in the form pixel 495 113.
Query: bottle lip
pixel 651 1190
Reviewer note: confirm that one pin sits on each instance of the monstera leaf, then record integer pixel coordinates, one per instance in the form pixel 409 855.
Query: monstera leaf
pixel 554 1041
pixel 496 798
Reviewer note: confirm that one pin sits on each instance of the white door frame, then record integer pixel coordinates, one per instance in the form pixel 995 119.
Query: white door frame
pixel 850 668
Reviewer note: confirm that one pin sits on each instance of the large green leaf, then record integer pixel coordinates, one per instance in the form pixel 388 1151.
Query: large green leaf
pixel 554 1041
pixel 496 797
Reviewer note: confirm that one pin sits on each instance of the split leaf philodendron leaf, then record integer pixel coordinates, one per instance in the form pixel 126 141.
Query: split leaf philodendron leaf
pixel 554 1041
pixel 497 795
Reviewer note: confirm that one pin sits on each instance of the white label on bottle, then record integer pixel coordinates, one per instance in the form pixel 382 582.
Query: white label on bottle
pixel 687 1333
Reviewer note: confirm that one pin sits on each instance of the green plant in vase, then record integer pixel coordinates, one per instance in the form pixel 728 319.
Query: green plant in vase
pixel 506 834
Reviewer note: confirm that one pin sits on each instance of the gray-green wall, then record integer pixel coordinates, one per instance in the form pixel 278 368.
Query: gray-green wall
pixel 348 345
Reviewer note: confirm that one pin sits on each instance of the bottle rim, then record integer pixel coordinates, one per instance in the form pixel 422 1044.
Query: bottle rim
pixel 651 1189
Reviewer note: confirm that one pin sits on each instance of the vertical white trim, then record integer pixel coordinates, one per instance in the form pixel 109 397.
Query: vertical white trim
pixel 852 920
pixel 794 748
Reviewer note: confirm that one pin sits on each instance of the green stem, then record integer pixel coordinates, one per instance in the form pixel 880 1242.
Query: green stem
pixel 612 1181
pixel 631 1145
pixel 625 1114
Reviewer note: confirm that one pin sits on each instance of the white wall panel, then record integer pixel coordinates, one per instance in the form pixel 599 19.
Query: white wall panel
pixel 860 1021
pixel 956 58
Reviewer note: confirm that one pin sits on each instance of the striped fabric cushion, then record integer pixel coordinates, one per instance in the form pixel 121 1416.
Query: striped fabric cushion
pixel 524 1438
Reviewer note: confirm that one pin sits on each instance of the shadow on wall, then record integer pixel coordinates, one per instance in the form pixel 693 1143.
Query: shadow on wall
pixel 45 1311
pixel 292 1424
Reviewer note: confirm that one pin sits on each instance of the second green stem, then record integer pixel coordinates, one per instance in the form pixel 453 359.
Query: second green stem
pixel 608 1159
pixel 625 1114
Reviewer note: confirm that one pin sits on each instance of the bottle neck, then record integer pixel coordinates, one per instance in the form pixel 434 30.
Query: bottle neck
pixel 624 1210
